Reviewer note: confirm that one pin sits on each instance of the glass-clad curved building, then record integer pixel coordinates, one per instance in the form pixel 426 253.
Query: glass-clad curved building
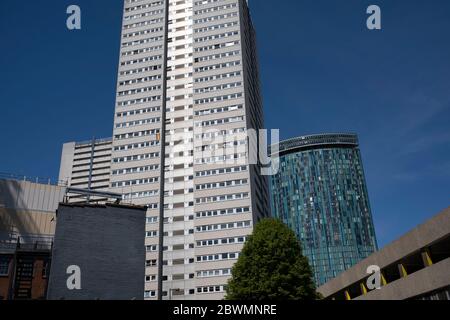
pixel 320 192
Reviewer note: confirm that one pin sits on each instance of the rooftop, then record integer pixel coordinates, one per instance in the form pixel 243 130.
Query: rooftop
pixel 323 140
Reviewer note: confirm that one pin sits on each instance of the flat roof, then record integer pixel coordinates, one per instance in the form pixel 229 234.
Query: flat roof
pixel 105 205
pixel 322 140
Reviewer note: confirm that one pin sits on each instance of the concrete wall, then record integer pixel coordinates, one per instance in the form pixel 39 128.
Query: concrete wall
pixel 28 208
pixel 4 284
pixel 423 281
pixel 221 52
pixel 76 161
pixel 65 169
pixel 420 237
pixel 30 196
pixel 26 223
pixel 107 243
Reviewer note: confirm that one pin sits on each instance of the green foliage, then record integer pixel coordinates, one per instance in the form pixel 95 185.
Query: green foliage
pixel 271 267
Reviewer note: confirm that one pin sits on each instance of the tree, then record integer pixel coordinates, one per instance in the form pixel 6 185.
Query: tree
pixel 271 267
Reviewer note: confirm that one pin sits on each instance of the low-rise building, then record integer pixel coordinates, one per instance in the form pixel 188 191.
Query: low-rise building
pixel 27 227
pixel 105 245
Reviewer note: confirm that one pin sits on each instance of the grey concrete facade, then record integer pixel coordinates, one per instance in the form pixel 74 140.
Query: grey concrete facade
pixel 187 92
pixel 415 264
pixel 419 283
pixel 107 243
pixel 86 165
pixel 27 209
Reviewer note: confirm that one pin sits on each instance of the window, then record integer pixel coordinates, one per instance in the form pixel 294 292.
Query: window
pixel 150 278
pixel 178 219
pixel 218 257
pixel 149 294
pixel 151 220
pixel 178 277
pixel 150 263
pixel 213 273
pixel 211 289
pixel 177 262
pixel 45 269
pixel 4 266
pixel 151 234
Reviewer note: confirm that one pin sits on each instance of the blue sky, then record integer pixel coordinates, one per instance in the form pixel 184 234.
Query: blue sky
pixel 322 71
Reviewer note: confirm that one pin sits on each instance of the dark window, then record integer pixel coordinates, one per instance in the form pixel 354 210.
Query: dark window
pixel 4 266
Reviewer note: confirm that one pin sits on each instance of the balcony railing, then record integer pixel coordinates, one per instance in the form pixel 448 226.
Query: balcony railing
pixel 39 180
pixel 27 243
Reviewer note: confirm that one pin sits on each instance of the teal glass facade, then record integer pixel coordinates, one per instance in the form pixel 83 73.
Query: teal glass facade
pixel 320 192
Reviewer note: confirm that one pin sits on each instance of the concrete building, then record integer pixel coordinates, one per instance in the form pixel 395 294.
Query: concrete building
pixel 86 165
pixel 416 266
pixel 106 243
pixel 187 92
pixel 320 192
pixel 27 227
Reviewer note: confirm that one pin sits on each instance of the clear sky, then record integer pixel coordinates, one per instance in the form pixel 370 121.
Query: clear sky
pixel 322 71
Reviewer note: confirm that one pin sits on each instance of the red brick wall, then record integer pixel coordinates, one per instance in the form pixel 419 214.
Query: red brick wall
pixel 39 282
pixel 4 284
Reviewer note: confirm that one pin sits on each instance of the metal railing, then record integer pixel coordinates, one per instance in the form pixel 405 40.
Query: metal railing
pixel 27 243
pixel 96 141
pixel 39 180
pixel 323 139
